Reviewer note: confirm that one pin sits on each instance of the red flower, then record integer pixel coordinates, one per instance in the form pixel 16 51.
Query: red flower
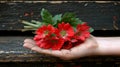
pixel 37 37
pixel 67 45
pixel 51 42
pixel 82 31
pixel 46 38
pixel 77 43
pixel 83 27
pixel 65 30
pixel 62 37
pixel 45 31
pixel 57 43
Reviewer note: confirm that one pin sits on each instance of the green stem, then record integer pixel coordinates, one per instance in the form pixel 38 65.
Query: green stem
pixel 36 22
pixel 30 27
pixel 30 24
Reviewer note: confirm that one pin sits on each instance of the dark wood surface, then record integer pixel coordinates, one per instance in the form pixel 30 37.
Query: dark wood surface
pixel 98 15
pixel 103 17
pixel 12 50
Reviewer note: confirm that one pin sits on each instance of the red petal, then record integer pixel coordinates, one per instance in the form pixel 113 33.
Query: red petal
pixel 37 37
pixel 67 45
pixel 44 28
pixel 79 42
pixel 45 45
pixel 67 28
pixel 82 38
pixel 58 45
pixel 83 27
pixel 60 25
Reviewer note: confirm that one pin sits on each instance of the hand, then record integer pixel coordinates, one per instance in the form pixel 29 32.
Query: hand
pixel 85 49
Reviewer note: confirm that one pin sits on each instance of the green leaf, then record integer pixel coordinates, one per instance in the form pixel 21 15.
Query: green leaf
pixel 46 16
pixel 78 21
pixel 91 30
pixel 75 21
pixel 71 19
pixel 57 19
pixel 67 17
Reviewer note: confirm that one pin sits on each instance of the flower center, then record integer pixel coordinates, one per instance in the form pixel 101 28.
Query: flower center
pixel 63 33
pixel 78 33
pixel 46 32
pixel 54 41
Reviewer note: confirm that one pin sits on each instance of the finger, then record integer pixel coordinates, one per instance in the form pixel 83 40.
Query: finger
pixel 66 54
pixel 65 51
pixel 28 45
pixel 56 53
pixel 29 41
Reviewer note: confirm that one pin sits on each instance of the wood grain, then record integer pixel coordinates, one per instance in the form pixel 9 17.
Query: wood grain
pixel 100 16
pixel 12 50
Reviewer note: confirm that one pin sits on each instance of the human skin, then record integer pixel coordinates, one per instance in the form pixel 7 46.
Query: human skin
pixel 92 46
pixel 108 46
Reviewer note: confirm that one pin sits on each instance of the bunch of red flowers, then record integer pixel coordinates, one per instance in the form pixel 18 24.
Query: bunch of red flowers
pixel 61 31
pixel 62 37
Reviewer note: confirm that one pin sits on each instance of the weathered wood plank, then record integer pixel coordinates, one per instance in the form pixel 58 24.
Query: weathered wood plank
pixel 101 16
pixel 98 15
pixel 12 50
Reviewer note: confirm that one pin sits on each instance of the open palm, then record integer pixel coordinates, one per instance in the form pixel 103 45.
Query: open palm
pixel 85 49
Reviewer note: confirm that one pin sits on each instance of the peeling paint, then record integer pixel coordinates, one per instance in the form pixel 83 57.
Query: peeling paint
pixel 86 4
pixel 3 25
pixel 104 29
pixel 115 3
pixel 115 25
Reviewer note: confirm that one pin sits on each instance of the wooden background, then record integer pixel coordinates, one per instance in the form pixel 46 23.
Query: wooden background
pixel 98 15
pixel 104 17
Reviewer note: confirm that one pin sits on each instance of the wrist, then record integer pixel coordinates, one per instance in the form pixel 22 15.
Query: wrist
pixel 108 46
